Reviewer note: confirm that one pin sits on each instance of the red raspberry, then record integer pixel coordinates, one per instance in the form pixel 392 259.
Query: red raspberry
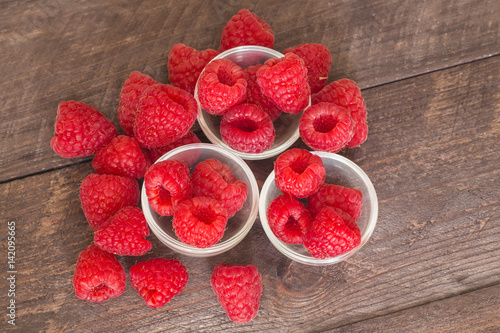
pixel 288 219
pixel 158 280
pixel 318 61
pixel 326 127
pixel 190 137
pixel 214 179
pixel 185 65
pixel 221 85
pixel 80 130
pixel 246 28
pixel 131 92
pixel 122 156
pixel 103 195
pixel 238 290
pixel 167 183
pixel 284 82
pixel 349 200
pixel 299 173
pixel 200 221
pixel 329 235
pixel 255 95
pixel 98 276
pixel 166 113
pixel 246 128
pixel 349 221
pixel 347 94
pixel 125 233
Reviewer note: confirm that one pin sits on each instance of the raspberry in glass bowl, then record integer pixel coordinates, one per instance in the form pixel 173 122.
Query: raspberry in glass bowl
pixel 247 59
pixel 341 173
pixel 239 220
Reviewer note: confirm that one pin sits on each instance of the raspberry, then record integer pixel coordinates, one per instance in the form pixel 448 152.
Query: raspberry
pixel 167 183
pixel 299 173
pixel 166 113
pixel 246 28
pixel 326 127
pixel 246 128
pixel 329 235
pixel 103 195
pixel 347 94
pixel 221 85
pixel 98 275
pixel 122 156
pixel 131 92
pixel 238 290
pixel 255 95
pixel 318 61
pixel 125 233
pixel 349 200
pixel 200 221
pixel 288 219
pixel 214 179
pixel 190 137
pixel 284 82
pixel 80 130
pixel 158 280
pixel 185 65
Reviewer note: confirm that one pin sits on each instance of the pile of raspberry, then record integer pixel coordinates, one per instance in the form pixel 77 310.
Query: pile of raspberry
pixel 320 216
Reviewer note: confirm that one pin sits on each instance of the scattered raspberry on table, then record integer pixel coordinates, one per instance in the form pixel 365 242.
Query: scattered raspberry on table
pixel 158 280
pixel 238 290
pixel 98 276
pixel 80 130
pixel 103 195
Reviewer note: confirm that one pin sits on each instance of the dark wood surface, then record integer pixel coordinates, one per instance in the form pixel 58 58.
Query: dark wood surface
pixel 429 73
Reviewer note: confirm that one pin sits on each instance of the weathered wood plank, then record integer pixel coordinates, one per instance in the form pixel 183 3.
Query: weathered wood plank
pixel 54 51
pixel 476 311
pixel 437 234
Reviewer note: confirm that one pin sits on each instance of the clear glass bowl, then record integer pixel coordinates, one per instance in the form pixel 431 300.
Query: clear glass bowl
pixel 286 126
pixel 237 226
pixel 339 171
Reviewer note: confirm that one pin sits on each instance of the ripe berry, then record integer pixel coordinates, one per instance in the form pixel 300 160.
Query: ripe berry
pixel 238 290
pixel 284 82
pixel 131 92
pixel 190 137
pixel 246 128
pixel 200 221
pixel 124 233
pixel 98 275
pixel 255 95
pixel 318 61
pixel 329 236
pixel 185 65
pixel 347 94
pixel 288 219
pixel 103 195
pixel 221 85
pixel 299 173
pixel 167 183
pixel 214 179
pixel 246 28
pixel 349 200
pixel 80 130
pixel 122 156
pixel 326 127
pixel 158 280
pixel 166 113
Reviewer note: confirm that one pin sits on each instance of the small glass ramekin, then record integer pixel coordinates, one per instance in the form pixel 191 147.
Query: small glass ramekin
pixel 339 171
pixel 237 227
pixel 286 126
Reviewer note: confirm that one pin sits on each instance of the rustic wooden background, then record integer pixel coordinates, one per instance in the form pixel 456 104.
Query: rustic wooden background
pixel 429 73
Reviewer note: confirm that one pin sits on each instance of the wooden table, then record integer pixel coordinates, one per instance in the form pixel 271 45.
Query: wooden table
pixel 429 72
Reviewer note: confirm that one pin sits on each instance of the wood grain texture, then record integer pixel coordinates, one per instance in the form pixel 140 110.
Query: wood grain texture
pixel 432 156
pixel 55 50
